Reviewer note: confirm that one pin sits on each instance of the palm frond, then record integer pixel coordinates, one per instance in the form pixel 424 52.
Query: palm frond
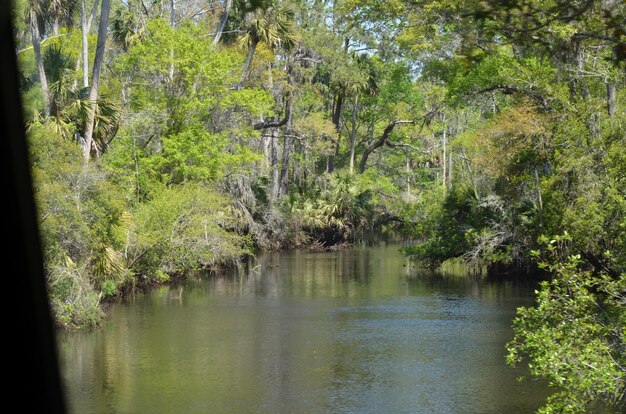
pixel 106 121
pixel 127 27
pixel 60 72
pixel 273 25
pixel 108 264
pixel 61 126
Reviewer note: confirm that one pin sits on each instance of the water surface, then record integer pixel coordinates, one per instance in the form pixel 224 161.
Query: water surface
pixel 355 331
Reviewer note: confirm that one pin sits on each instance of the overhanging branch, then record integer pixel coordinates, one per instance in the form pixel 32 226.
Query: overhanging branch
pixel 383 140
pixel 510 90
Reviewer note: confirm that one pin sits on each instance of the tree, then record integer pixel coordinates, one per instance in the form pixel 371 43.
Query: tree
pixel 85 25
pixel 382 140
pixel 557 22
pixel 70 106
pixel 288 139
pixel 129 23
pixel 61 12
pixel 218 35
pixel 95 78
pixel 366 83
pixel 273 25
pixel 35 16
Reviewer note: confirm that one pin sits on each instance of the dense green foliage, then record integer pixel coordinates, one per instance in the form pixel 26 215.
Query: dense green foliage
pixel 575 335
pixel 480 128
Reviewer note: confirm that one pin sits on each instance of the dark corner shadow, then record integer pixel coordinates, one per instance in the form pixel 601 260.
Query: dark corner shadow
pixel 30 356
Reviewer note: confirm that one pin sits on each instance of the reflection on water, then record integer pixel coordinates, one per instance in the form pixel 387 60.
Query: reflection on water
pixel 355 331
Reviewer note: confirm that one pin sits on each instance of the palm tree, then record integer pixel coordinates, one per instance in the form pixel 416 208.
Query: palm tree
pixel 128 25
pixel 105 113
pixel 59 72
pixel 364 83
pixel 95 78
pixel 35 16
pixel 272 24
pixel 61 12
pixel 85 25
pixel 71 108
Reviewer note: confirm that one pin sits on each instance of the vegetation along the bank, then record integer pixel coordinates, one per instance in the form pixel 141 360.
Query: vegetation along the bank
pixel 171 135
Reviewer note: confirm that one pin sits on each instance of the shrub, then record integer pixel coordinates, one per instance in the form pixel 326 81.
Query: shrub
pixel 182 228
pixel 574 337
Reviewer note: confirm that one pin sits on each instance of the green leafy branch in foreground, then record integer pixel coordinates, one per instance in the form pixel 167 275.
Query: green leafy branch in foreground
pixel 575 335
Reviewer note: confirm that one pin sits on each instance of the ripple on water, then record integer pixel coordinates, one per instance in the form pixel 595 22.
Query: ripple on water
pixel 341 332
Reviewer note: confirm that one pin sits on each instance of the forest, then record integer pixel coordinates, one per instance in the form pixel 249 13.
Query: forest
pixel 174 135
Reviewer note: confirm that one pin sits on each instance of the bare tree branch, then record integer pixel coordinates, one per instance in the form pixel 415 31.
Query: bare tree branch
pixel 380 142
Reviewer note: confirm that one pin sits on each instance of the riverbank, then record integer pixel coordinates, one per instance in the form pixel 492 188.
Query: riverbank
pixel 102 237
pixel 90 314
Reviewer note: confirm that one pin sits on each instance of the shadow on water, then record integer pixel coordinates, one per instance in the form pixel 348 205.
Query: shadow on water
pixel 350 331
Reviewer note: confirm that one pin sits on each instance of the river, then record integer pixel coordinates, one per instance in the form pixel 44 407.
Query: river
pixel 353 331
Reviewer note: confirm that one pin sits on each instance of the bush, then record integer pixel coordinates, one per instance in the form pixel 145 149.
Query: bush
pixel 74 302
pixel 95 241
pixel 574 337
pixel 337 208
pixel 108 288
pixel 184 227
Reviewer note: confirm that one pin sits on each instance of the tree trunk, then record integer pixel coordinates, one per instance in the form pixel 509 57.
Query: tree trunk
pixel 246 67
pixel 580 63
pixel 172 25
pixel 305 169
pixel 539 196
pixel 43 80
pixel 284 169
pixel 379 143
pixel 92 15
pixel 274 164
pixel 95 77
pixel 273 153
pixel 267 139
pixel 220 30
pixel 336 119
pixel 337 148
pixel 450 170
pixel 364 157
pixel 355 107
pixel 288 141
pixel 443 164
pixel 408 170
pixel 172 13
pixel 85 25
pixel 265 149
pixel 85 43
pixel 611 98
